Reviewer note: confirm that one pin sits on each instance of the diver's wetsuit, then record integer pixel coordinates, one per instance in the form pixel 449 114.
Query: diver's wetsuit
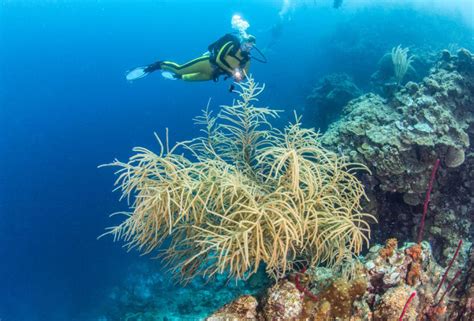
pixel 220 61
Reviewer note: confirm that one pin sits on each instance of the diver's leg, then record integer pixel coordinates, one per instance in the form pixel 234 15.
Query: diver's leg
pixel 199 69
pixel 197 76
pixel 200 65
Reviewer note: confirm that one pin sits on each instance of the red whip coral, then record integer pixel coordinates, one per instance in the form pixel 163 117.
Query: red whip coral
pixel 407 304
pixel 302 288
pixel 443 279
pixel 427 200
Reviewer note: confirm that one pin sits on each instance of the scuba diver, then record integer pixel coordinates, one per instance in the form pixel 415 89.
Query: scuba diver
pixel 276 32
pixel 285 15
pixel 229 56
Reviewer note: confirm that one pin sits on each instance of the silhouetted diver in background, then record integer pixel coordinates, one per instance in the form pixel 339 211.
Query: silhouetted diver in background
pixel 337 3
pixel 285 15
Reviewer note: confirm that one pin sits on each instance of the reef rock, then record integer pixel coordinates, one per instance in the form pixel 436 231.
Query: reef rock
pixel 328 97
pixel 283 302
pixel 463 308
pixel 383 80
pixel 392 304
pixel 243 308
pixel 338 298
pixel 377 288
pixel 399 140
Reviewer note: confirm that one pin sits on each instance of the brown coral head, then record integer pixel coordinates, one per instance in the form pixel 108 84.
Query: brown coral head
pixel 341 295
pixel 414 273
pixel 414 252
pixel 434 312
pixel 358 288
pixel 390 245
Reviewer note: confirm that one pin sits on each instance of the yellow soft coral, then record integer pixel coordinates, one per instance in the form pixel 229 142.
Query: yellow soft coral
pixel 251 194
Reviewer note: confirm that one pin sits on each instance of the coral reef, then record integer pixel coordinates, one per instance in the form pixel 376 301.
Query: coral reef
pixel 462 309
pixel 283 302
pixel 244 308
pixel 355 46
pixel 399 140
pixel 410 268
pixel 384 80
pixel 381 289
pixel 412 273
pixel 392 304
pixel 327 98
pixel 254 195
pixel 338 298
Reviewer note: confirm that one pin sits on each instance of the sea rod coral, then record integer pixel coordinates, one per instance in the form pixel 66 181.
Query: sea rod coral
pixel 246 194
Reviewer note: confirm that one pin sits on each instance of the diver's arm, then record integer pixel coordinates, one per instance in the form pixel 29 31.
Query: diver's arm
pixel 221 58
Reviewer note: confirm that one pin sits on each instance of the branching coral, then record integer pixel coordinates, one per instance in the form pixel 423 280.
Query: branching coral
pixel 252 194
pixel 401 62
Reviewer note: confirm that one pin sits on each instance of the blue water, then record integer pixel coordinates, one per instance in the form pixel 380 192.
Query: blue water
pixel 65 108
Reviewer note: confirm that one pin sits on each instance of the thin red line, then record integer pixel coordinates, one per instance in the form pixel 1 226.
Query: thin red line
pixel 427 200
pixel 406 306
pixel 443 279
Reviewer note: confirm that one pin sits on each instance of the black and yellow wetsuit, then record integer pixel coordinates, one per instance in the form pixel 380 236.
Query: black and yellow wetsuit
pixel 221 60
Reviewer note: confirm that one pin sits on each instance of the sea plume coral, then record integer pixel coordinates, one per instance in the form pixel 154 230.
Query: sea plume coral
pixel 246 194
pixel 401 62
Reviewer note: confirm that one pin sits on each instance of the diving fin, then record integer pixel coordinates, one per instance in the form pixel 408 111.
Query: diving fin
pixel 169 75
pixel 136 73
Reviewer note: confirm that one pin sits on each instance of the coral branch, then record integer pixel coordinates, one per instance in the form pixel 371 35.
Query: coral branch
pixel 443 279
pixel 450 285
pixel 242 195
pixel 401 62
pixel 413 294
pixel 427 200
pixel 310 294
pixel 303 289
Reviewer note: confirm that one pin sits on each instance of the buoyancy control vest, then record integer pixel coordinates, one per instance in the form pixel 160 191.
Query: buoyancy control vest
pixel 216 46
